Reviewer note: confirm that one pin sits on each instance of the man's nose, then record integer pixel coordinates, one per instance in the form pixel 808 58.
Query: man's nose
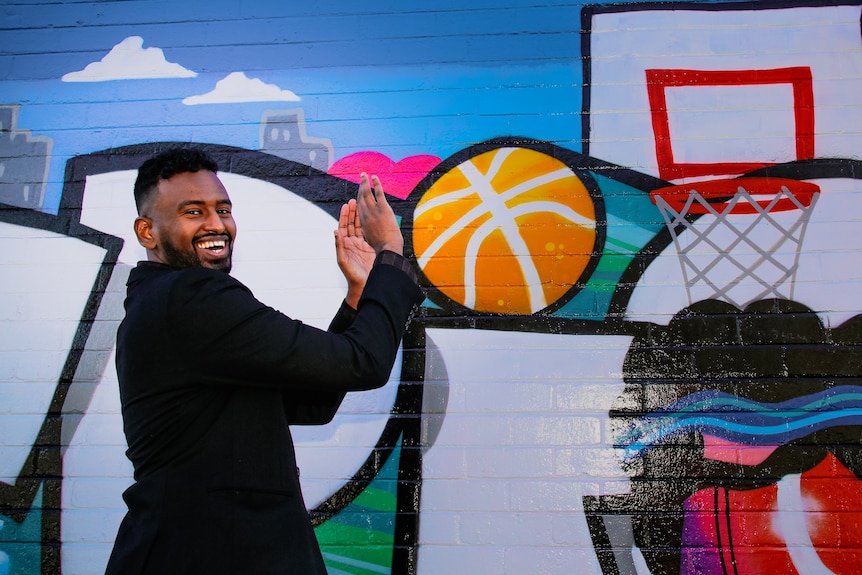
pixel 214 222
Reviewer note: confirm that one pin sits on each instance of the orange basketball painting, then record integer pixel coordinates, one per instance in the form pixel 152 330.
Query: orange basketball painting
pixel 510 230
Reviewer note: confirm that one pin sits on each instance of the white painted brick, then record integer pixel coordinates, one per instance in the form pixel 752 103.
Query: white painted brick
pixel 557 430
pixel 449 462
pixel 553 560
pixel 441 528
pixel 85 559
pixel 446 495
pixel 512 397
pixel 545 495
pixel 98 459
pixel 505 529
pixel 496 462
pixel 93 526
pixel 94 493
pixel 589 463
pixel 442 558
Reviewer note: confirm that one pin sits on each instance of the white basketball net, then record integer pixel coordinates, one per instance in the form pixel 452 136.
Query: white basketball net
pixel 738 258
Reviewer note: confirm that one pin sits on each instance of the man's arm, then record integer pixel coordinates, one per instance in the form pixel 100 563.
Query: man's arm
pixel 246 342
pixel 355 258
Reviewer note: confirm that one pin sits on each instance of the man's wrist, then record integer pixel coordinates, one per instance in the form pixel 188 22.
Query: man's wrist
pixel 393 246
pixel 353 295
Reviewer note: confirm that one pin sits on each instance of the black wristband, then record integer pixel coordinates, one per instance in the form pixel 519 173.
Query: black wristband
pixel 396 260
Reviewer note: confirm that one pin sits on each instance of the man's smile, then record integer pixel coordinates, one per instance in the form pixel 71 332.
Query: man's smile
pixel 214 245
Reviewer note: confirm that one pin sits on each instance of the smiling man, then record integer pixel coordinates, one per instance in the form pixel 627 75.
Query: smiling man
pixel 188 222
pixel 210 378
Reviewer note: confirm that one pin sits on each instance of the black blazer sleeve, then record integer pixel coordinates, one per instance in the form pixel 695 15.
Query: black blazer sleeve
pixel 319 407
pixel 240 341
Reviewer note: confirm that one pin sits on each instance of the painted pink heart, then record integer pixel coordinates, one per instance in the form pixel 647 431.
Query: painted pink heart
pixel 398 178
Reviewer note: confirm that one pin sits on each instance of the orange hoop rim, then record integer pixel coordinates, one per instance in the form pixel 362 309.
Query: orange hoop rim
pixel 719 193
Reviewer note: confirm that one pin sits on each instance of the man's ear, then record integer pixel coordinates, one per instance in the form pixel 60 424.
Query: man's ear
pixel 144 232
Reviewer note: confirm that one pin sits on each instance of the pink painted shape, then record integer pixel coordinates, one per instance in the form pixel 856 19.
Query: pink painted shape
pixel 398 178
pixel 723 450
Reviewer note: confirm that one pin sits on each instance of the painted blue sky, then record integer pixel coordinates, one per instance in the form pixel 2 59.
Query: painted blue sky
pixel 374 75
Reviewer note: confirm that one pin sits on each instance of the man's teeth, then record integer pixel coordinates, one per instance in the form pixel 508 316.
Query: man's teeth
pixel 211 244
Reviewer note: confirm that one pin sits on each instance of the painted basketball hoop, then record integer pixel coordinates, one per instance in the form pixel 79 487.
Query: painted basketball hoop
pixel 738 239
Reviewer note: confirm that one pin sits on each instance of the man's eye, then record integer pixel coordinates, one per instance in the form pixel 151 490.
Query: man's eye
pixel 224 212
pixel 194 212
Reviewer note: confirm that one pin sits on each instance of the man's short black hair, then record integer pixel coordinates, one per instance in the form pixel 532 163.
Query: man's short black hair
pixel 166 165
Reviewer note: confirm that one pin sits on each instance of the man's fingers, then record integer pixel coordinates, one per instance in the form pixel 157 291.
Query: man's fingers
pixel 372 195
pixel 351 218
pixel 379 224
pixel 354 217
pixel 376 188
pixel 348 220
pixel 370 191
pixel 364 187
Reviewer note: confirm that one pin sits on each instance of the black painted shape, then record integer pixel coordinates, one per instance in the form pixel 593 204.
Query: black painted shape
pixel 325 191
pixel 813 169
pixel 772 351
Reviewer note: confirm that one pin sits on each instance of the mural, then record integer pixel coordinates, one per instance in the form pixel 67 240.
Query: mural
pixel 639 352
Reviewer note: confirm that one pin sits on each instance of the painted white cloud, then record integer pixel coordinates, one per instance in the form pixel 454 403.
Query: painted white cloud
pixel 237 87
pixel 129 60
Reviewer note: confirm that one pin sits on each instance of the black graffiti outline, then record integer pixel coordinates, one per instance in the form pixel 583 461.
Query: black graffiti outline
pixel 43 466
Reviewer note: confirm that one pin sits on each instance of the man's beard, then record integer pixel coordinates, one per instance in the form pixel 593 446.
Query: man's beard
pixel 180 259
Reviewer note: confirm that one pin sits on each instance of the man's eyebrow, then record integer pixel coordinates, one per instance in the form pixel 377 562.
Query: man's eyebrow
pixel 187 203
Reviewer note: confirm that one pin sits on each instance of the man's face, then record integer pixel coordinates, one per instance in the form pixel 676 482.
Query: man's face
pixel 191 222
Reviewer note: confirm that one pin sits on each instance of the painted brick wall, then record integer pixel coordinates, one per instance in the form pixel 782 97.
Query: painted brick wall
pixel 636 226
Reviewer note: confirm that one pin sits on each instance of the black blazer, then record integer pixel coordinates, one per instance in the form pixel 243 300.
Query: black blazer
pixel 210 378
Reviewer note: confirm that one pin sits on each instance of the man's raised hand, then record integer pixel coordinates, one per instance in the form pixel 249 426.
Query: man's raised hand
pixel 354 255
pixel 378 222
